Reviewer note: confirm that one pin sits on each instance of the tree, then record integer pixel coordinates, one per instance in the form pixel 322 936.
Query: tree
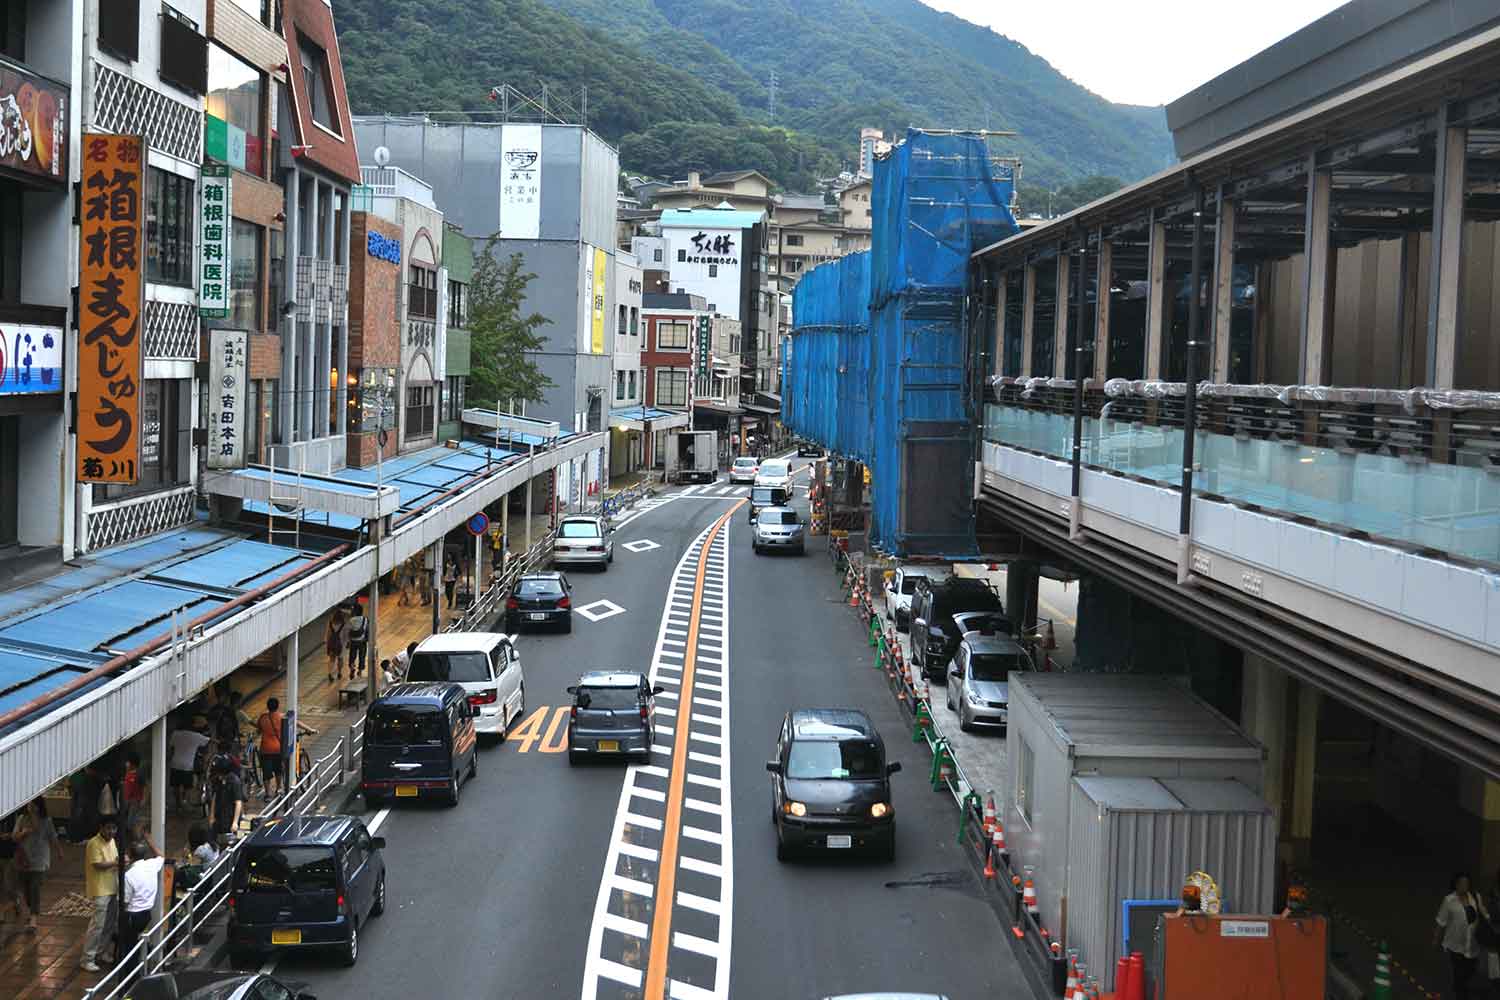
pixel 501 368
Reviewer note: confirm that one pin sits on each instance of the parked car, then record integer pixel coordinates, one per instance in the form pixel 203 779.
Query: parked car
pixel 934 633
pixel 488 667
pixel 902 586
pixel 305 882
pixel 217 984
pixel 780 529
pixel 540 599
pixel 809 449
pixel 765 497
pixel 986 622
pixel 979 679
pixel 419 743
pixel 776 472
pixel 612 716
pixel 743 470
pixel 830 784
pixel 584 540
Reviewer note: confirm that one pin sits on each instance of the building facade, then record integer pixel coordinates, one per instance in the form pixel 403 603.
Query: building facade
pixel 458 262
pixel 375 286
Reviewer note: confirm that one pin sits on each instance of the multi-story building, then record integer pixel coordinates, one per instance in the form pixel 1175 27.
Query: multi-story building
pixel 375 287
pixel 458 261
pixel 669 323
pixel 855 212
pixel 627 418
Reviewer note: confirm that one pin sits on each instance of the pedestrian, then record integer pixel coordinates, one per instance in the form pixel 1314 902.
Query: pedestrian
pixel 201 847
pixel 183 750
pixel 387 674
pixel 101 861
pixel 421 574
pixel 403 577
pixel 402 662
pixel 359 639
pixel 142 886
pixel 10 873
pixel 497 550
pixel 226 799
pixel 83 808
pixel 35 837
pixel 1456 929
pixel 269 726
pixel 450 580
pixel 333 643
pixel 133 792
pixel 108 803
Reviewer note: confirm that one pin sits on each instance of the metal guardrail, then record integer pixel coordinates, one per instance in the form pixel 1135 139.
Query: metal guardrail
pixel 164 941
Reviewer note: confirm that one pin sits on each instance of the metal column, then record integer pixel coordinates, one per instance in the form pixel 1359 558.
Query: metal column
pixel 1190 393
pixel 1028 321
pixel 291 231
pixel 1103 281
pixel 293 657
pixel 1079 375
pixel 437 585
pixel 1223 311
pixel 1447 265
pixel 1060 316
pixel 372 615
pixel 308 391
pixel 1002 286
pixel 341 312
pixel 1317 290
pixel 1156 299
pixel 159 774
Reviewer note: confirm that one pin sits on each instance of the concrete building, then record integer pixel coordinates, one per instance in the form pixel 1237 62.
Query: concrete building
pixel 458 261
pixel 855 211
pixel 627 446
pixel 548 192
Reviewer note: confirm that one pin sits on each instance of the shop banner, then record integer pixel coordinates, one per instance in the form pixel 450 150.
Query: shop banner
pixel 227 377
pixel 521 182
pixel 33 124
pixel 109 300
pixel 214 263
pixel 30 359
pixel 705 345
pixel 601 271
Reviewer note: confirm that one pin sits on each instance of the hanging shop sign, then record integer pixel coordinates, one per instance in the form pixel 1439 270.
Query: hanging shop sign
pixel 521 182
pixel 227 375
pixel 33 124
pixel 109 299
pixel 705 345
pixel 30 359
pixel 601 271
pixel 214 244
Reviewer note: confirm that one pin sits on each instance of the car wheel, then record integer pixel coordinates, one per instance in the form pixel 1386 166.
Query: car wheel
pixel 889 854
pixel 568 625
pixel 964 722
pixel 783 851
pixel 474 764
pixel 351 947
pixel 378 907
pixel 572 758
pixel 243 958
pixel 454 786
pixel 948 697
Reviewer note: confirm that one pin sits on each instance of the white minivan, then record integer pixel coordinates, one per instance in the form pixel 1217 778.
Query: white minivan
pixel 488 668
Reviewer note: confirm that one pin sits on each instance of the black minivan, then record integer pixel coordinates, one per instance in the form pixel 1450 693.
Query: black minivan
pixel 305 882
pixel 831 785
pixel 419 743
pixel 934 633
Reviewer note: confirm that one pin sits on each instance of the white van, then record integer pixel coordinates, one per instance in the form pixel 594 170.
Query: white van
pixel 488 668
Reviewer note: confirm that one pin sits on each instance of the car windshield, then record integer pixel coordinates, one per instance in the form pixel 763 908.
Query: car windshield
pixel 608 697
pixel 744 463
pixel 909 584
pixel 773 469
pixel 995 666
pixel 764 496
pixel 984 623
pixel 288 869
pixel 465 668
pixel 779 517
pixel 539 588
pixel 578 529
pixel 814 759
pixel 404 725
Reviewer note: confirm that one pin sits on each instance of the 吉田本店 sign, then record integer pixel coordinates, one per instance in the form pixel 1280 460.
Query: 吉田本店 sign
pixel 226 399
pixel 521 182
pixel 213 245
pixel 109 308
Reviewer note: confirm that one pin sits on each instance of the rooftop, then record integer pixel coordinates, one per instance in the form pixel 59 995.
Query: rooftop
pixel 710 218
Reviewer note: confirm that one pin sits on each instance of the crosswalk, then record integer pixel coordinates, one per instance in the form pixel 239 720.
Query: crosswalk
pixel 715 489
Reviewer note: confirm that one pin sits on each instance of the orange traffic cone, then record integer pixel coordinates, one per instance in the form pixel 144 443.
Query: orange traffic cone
pixel 989 864
pixel 997 840
pixel 989 814
pixel 1028 898
pixel 1071 990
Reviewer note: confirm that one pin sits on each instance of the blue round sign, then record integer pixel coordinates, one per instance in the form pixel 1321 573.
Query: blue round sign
pixel 478 524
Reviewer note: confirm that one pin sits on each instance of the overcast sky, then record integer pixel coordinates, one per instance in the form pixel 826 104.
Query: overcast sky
pixel 1147 52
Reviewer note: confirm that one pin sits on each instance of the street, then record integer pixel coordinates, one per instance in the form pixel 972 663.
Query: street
pixel 662 880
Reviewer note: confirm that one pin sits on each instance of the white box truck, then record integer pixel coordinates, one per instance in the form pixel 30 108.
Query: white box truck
pixel 692 457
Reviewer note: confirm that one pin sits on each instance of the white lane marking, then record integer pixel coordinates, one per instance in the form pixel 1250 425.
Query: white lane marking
pixel 707 702
pixel 700 866
pixel 645 854
pixel 699 903
pixel 624 925
pixel 693 943
pixel 664 710
pixel 703 805
pixel 633 886
pixel 600 610
pixel 698 833
pixel 619 973
pixel 705 758
pixel 705 780
pixel 676 631
pixel 665 729
pixel 679 990
pixel 644 822
pixel 641 545
pixel 654 771
pixel 706 738
pixel 648 793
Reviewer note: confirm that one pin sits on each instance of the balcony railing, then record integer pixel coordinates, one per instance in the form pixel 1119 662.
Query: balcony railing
pixel 393 182
pixel 1416 469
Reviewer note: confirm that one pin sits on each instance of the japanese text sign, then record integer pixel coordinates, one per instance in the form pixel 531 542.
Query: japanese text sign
pixel 109 300
pixel 214 246
pixel 705 345
pixel 226 399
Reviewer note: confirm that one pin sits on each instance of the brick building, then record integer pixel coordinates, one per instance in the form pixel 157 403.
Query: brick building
pixel 374 334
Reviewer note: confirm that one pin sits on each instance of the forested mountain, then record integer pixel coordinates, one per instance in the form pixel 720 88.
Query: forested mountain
pixel 684 84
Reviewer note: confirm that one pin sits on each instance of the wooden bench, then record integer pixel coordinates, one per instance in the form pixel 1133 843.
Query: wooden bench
pixel 355 693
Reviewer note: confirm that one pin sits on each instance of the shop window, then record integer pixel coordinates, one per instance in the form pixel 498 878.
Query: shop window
pixel 421 300
pixel 258 9
pixel 166 440
pixel 184 52
pixel 619 386
pixel 794 240
pixel 682 256
pixel 245 271
pixel 672 334
pixel 254 406
pixel 236 95
pixel 453 398
pixel 169 228
pixel 420 411
pixel 631 394
pixel 656 255
pixel 671 387
pixel 624 324
pixel 1026 783
pixel 458 305
pixel 119 30
pixel 635 321
pixel 318 84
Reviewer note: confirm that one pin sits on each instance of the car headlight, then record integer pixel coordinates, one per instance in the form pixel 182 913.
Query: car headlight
pixel 794 808
pixel 880 809
pixel 972 698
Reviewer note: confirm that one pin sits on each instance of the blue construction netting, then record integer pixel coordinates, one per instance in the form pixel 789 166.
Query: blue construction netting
pixel 877 368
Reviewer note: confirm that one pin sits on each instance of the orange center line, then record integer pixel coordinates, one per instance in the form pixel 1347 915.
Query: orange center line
pixel 666 881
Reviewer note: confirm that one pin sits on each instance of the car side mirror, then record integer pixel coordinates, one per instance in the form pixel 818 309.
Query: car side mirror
pixel 658 689
pixel 893 767
pixel 573 689
pixel 377 843
pixel 774 766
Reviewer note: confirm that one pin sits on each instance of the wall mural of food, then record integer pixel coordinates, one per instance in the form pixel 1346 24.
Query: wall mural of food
pixel 33 124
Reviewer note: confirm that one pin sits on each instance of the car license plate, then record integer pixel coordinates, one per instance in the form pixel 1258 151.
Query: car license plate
pixel 537 616
pixel 609 746
pixel 286 937
pixel 406 791
pixel 840 840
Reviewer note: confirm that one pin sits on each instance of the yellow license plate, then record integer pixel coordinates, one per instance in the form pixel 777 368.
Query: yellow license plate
pixel 286 937
pixel 406 791
pixel 609 746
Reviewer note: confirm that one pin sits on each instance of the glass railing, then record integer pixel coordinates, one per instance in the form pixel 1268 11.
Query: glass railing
pixel 1386 486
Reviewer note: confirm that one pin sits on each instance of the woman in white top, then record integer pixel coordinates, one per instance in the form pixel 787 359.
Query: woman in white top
pixel 1457 919
pixel 142 885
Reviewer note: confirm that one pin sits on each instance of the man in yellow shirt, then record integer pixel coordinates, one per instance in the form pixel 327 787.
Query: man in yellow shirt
pixel 101 881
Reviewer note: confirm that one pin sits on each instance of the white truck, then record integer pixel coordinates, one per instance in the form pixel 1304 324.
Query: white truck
pixel 692 457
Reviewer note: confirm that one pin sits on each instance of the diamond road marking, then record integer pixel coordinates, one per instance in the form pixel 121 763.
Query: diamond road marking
pixel 641 545
pixel 600 610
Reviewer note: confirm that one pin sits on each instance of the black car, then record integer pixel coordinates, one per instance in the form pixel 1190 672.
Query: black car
pixel 305 882
pixel 809 449
pixel 934 633
pixel 830 784
pixel 214 984
pixel 540 599
pixel 612 716
pixel 419 743
pixel 763 497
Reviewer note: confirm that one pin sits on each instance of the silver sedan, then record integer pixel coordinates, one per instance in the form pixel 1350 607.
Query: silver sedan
pixel 778 528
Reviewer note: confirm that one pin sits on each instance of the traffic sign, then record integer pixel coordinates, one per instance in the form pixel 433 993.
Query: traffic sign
pixel 478 524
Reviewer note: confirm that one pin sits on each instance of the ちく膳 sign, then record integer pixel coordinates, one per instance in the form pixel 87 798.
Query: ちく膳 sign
pixel 109 309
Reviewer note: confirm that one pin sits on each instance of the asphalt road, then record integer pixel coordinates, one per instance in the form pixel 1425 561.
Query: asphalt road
pixel 549 880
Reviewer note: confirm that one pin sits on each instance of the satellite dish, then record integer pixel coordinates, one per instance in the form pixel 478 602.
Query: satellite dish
pixel 382 156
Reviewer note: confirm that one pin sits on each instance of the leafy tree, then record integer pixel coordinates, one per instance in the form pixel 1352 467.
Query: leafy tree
pixel 501 367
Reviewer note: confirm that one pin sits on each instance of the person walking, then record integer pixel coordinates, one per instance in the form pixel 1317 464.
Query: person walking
pixel 403 578
pixel 101 883
pixel 333 643
pixel 1457 923
pixel 35 836
pixel 226 799
pixel 183 749
pixel 271 757
pixel 450 581
pixel 10 874
pixel 401 663
pixel 133 788
pixel 359 640
pixel 142 886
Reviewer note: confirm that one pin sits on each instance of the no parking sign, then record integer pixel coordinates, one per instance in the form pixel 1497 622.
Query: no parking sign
pixel 478 524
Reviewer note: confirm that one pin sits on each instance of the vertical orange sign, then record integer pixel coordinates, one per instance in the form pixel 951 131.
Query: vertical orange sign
pixel 109 309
